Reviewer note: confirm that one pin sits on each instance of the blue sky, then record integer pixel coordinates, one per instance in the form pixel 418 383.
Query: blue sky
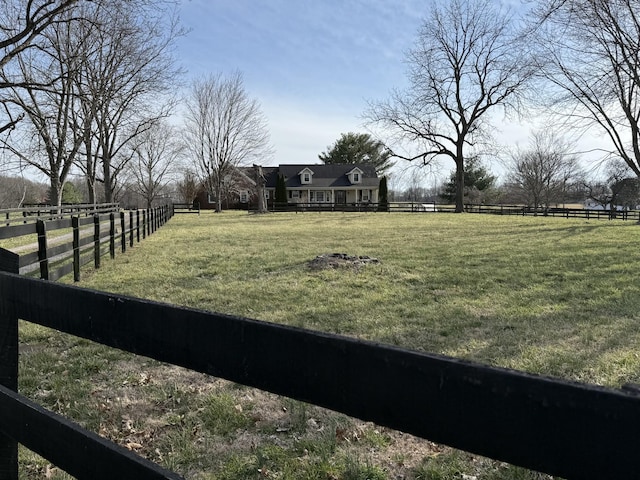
pixel 312 64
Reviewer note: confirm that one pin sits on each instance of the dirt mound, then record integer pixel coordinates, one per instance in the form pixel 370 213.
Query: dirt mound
pixel 340 260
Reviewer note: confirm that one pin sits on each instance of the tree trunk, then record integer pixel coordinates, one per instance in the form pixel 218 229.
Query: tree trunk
pixel 91 187
pixel 56 192
pixel 260 184
pixel 218 195
pixel 459 181
pixel 108 187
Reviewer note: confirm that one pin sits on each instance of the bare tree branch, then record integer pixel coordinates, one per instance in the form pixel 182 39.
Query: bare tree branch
pixel 465 63
pixel 592 52
pixel 224 129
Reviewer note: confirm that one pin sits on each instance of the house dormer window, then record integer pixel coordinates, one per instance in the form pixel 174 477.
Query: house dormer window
pixel 306 176
pixel 355 175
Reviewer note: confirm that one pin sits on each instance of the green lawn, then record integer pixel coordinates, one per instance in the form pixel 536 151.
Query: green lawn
pixel 550 296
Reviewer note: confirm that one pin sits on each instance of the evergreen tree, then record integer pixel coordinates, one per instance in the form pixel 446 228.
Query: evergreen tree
pixel 383 201
pixel 281 190
pixel 478 183
pixel 355 148
pixel 70 194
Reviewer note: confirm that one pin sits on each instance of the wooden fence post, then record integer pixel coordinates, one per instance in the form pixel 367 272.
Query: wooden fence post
pixel 41 230
pixel 154 222
pixel 138 224
pixel 75 224
pixel 112 235
pixel 123 233
pixel 9 262
pixel 96 241
pixel 131 232
pixel 144 223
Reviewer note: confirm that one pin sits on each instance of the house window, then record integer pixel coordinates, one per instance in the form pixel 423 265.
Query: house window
pixel 294 194
pixel 306 176
pixel 365 195
pixel 319 196
pixel 356 178
pixel 244 197
pixel 266 194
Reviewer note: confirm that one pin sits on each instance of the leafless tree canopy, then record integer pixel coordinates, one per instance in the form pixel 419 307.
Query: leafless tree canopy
pixel 16 191
pixel 21 25
pixel 47 139
pixel 224 129
pixel 128 66
pixel 155 159
pixel 465 63
pixel 90 88
pixel 592 53
pixel 544 171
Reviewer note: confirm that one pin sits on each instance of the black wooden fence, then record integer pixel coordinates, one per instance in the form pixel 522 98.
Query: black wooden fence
pixel 88 239
pixel 32 213
pixel 186 208
pixel 568 429
pixel 426 207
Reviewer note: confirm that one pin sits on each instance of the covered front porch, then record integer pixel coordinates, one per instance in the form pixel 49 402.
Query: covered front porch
pixel 333 196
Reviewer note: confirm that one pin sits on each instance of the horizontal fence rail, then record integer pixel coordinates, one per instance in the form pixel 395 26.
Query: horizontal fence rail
pixel 427 207
pixel 32 213
pixel 562 428
pixel 64 245
pixel 52 436
pixel 186 208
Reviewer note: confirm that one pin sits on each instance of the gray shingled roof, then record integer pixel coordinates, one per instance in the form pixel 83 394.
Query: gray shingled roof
pixel 324 176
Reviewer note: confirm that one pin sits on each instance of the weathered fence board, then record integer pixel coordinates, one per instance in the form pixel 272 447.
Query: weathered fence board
pixel 17 230
pixel 562 428
pixel 63 442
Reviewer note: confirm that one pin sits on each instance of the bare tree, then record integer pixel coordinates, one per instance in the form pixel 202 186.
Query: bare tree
pixel 48 140
pixel 543 172
pixel 224 129
pixel 22 23
pixel 468 60
pixel 128 65
pixel 187 187
pixel 15 191
pixel 154 161
pixel 592 53
pixel 99 71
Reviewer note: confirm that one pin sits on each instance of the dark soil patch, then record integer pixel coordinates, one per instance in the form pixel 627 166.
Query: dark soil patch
pixel 340 260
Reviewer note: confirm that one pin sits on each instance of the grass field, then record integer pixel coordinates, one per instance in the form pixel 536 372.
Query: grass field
pixel 549 296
